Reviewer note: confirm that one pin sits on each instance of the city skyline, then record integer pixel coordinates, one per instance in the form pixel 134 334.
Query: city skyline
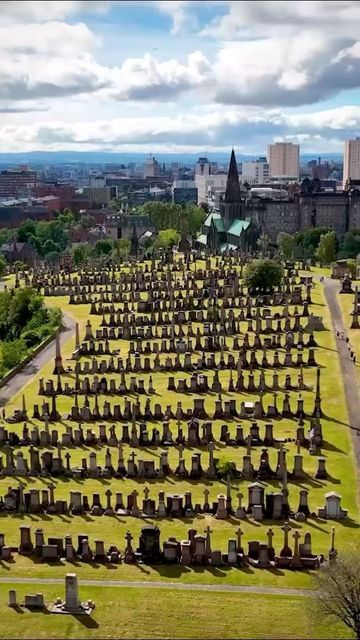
pixel 180 77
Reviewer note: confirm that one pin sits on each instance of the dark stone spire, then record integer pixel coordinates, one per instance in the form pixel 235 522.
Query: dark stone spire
pixel 134 246
pixel 232 193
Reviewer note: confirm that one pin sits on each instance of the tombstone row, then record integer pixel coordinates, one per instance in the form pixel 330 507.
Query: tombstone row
pixel 273 505
pixel 196 549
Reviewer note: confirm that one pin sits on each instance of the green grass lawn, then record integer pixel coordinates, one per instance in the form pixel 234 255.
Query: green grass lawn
pixel 144 613
pixel 337 450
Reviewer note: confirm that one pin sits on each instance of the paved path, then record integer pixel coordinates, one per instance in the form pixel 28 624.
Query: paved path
pixel 31 369
pixel 348 368
pixel 179 586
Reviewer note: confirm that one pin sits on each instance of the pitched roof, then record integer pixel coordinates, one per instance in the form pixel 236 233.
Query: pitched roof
pixel 227 245
pixel 13 246
pixel 213 214
pixel 219 224
pixel 201 238
pixel 238 226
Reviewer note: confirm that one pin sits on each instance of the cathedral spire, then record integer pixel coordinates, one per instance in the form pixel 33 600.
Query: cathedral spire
pixel 232 193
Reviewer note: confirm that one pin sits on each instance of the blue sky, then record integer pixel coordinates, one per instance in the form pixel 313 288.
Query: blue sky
pixel 179 75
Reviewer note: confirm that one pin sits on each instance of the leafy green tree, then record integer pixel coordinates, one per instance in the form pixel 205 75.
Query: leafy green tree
pixel 168 215
pixel 50 245
pixel 53 230
pixel 26 230
pixel 286 244
pixel 166 238
pixel 121 247
pixel 263 274
pixel 326 251
pixel 24 303
pixel 3 265
pixel 103 248
pixel 350 246
pixel 67 218
pixel 263 244
pixel 6 235
pixel 205 207
pixel 309 240
pixel 13 353
pixel 225 467
pixel 194 218
pixel 81 253
pixel 86 221
pixel 52 257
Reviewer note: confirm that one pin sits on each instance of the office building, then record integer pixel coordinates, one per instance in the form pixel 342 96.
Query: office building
pixel 256 171
pixel 284 161
pixel 351 161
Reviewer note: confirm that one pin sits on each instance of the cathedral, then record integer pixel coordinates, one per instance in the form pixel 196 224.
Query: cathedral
pixel 229 229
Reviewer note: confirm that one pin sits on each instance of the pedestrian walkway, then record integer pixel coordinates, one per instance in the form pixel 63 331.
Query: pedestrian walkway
pixel 348 370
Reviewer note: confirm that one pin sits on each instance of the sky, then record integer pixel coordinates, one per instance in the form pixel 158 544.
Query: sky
pixel 179 76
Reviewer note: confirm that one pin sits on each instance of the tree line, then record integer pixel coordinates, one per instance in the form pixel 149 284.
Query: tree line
pixel 25 321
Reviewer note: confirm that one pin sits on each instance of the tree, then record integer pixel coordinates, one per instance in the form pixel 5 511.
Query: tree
pixel 86 221
pixel 6 235
pixel 3 264
pixel 67 218
pixel 326 251
pixel 12 353
pixel 166 238
pixel 263 244
pixel 26 230
pixel 309 239
pixel 263 274
pixel 121 247
pixel 103 248
pixel 168 215
pixel 54 231
pixel 338 588
pixel 225 467
pixel 205 207
pixel 350 246
pixel 194 219
pixel 52 257
pixel 81 252
pixel 286 243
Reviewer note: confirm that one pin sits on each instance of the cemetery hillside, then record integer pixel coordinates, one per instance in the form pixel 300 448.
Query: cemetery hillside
pixel 186 425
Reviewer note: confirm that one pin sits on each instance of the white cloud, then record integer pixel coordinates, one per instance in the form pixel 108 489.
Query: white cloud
pixel 47 60
pixel 179 12
pixel 147 78
pixel 22 11
pixel 269 18
pixel 249 129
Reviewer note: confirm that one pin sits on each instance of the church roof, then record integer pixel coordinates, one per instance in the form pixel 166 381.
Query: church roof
pixel 213 215
pixel 238 226
pixel 232 193
pixel 219 224
pixel 202 238
pixel 227 245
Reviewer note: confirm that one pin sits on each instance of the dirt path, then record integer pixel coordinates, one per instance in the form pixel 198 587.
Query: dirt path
pixel 348 370
pixel 31 369
pixel 179 586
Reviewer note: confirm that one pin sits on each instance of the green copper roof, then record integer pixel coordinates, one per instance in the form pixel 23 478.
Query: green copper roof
pixel 219 224
pixel 212 215
pixel 238 226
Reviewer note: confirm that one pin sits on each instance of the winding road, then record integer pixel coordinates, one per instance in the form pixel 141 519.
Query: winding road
pixel 30 369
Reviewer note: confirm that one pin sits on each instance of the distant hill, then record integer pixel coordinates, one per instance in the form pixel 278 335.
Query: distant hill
pixel 104 157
